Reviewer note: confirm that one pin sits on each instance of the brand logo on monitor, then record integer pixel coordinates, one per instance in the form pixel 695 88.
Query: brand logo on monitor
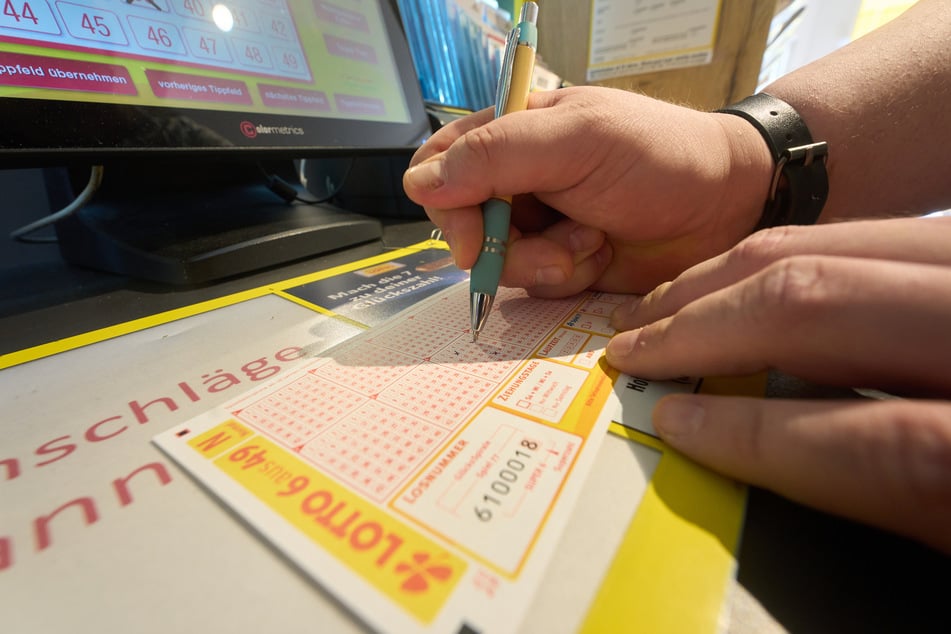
pixel 248 129
pixel 252 130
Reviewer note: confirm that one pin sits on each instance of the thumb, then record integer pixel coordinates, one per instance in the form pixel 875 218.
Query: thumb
pixel 885 463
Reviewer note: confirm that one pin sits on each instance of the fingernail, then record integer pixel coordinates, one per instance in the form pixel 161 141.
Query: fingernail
pixel 676 417
pixel 622 346
pixel 621 315
pixel 549 276
pixel 583 238
pixel 602 256
pixel 427 175
pixel 447 238
pixel 630 305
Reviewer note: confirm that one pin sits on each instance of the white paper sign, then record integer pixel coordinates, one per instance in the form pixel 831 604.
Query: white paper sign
pixel 629 37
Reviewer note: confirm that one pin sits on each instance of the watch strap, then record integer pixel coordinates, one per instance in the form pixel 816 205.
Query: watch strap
pixel 800 183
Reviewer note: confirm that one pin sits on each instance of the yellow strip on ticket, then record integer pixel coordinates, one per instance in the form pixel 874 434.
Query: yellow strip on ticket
pixel 407 567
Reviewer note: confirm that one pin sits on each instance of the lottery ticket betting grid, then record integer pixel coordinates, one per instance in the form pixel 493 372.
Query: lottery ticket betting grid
pixel 422 478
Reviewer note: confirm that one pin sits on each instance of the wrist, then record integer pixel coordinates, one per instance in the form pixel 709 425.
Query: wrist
pixel 749 175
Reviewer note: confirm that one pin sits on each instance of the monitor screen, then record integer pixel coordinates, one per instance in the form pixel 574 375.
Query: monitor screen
pixel 93 78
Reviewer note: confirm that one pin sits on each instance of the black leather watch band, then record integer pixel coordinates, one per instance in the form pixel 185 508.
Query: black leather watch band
pixel 800 162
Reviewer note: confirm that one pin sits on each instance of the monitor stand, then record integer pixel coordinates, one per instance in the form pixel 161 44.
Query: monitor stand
pixel 179 233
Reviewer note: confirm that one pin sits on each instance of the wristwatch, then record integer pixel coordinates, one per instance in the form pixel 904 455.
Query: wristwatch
pixel 800 183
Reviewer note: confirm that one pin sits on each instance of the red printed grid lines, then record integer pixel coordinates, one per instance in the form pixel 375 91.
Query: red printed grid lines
pixel 515 319
pixel 444 397
pixel 368 369
pixel 372 412
pixel 420 342
pixel 300 410
pixel 375 448
pixel 450 312
pixel 492 360
pixel 519 320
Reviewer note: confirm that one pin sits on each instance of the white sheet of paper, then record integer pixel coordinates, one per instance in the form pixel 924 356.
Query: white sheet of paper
pixel 642 36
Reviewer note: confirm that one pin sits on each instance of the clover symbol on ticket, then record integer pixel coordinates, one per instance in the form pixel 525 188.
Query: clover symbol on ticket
pixel 421 570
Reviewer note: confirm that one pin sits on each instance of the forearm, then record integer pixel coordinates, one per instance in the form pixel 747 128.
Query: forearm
pixel 883 103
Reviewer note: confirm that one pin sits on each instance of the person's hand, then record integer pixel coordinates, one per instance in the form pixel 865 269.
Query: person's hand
pixel 858 304
pixel 613 190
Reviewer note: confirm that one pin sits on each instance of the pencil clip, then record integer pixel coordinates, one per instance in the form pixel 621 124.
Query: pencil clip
pixel 505 74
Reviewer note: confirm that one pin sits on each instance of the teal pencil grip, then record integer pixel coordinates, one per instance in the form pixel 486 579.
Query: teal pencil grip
pixel 485 275
pixel 528 34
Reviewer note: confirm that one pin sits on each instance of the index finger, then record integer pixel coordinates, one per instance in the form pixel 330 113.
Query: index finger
pixel 830 319
pixel 921 240
pixel 444 136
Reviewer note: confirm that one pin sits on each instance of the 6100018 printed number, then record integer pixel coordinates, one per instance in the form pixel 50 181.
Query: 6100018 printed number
pixel 505 480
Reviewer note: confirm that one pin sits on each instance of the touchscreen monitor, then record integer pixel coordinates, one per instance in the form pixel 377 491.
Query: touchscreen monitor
pixel 105 77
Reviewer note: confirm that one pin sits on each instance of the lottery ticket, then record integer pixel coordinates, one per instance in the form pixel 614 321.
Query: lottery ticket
pixel 421 478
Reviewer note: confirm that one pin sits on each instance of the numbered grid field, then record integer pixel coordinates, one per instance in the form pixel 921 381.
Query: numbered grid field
pixel 488 359
pixel 263 38
pixel 375 449
pixel 451 311
pixel 523 322
pixel 438 394
pixel 368 369
pixel 407 337
pixel 300 410
pixel 515 318
pixel 348 415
